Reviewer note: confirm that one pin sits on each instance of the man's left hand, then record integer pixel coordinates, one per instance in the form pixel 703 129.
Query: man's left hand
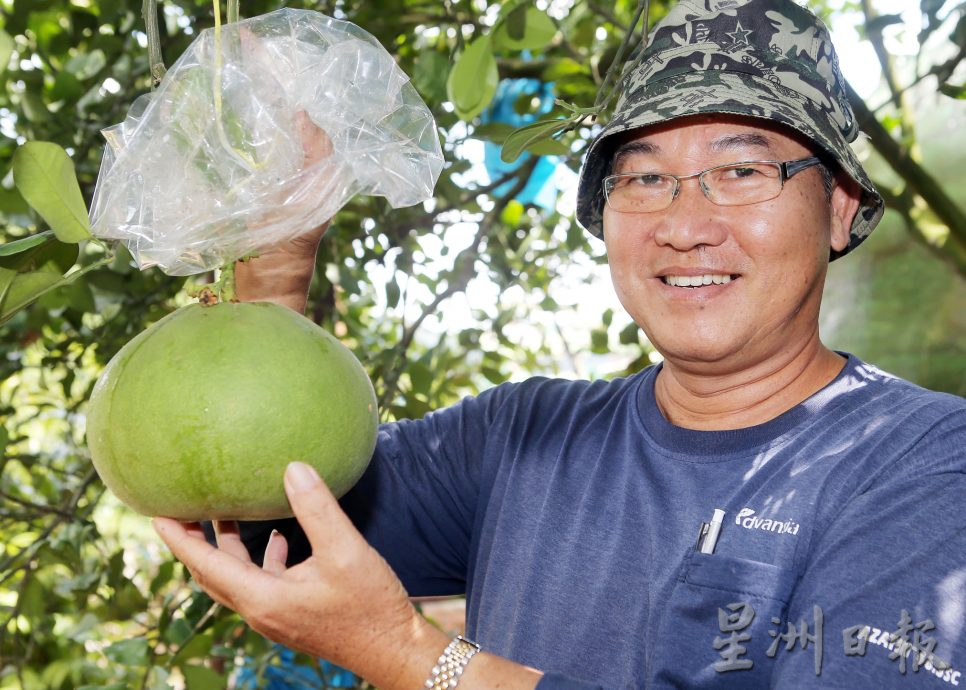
pixel 343 604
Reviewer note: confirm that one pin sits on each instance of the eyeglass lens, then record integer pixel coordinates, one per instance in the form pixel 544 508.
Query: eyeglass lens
pixel 729 185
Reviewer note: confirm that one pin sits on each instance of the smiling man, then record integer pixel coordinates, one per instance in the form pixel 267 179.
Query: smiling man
pixel 757 511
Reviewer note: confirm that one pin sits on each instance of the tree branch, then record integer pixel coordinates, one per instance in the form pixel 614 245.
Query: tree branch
pixel 915 176
pixel 951 254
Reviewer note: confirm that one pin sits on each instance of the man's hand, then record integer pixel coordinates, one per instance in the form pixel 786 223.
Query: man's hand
pixel 343 604
pixel 284 273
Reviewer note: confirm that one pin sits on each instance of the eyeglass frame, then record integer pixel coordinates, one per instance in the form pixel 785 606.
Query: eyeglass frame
pixel 786 169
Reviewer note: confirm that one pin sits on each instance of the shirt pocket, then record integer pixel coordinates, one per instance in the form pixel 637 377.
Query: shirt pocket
pixel 748 593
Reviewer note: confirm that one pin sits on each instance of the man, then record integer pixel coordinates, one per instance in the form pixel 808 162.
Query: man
pixel 754 512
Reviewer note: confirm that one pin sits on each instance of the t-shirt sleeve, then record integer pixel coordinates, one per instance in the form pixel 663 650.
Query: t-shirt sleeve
pixel 893 560
pixel 417 502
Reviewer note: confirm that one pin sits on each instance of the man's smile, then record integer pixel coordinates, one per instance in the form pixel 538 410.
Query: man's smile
pixel 700 280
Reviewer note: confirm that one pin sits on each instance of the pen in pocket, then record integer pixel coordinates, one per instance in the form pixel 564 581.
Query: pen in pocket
pixel 709 532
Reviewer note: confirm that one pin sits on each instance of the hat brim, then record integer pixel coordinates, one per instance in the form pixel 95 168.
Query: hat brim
pixel 727 93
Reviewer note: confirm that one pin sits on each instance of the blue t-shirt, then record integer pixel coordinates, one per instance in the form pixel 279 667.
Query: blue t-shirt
pixel 568 512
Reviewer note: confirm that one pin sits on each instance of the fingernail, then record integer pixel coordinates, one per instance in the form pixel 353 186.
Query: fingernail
pixel 301 476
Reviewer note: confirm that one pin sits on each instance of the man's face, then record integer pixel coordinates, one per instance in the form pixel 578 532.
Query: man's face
pixel 775 253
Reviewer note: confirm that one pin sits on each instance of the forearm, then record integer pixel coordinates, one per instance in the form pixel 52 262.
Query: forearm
pixel 283 275
pixel 283 280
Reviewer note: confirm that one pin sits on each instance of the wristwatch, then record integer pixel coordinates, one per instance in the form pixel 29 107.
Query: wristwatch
pixel 449 667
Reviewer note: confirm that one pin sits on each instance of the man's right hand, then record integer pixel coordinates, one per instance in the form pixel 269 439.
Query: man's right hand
pixel 283 274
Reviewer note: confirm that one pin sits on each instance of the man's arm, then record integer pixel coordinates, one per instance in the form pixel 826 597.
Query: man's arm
pixel 283 274
pixel 343 604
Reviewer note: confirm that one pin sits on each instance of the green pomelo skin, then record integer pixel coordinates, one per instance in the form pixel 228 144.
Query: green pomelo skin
pixel 197 417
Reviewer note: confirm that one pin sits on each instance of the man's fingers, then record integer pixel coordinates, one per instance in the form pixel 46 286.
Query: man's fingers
pixel 194 529
pixel 316 144
pixel 229 540
pixel 319 514
pixel 220 574
pixel 276 554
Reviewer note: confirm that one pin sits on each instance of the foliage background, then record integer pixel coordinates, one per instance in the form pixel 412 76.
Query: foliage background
pixel 438 301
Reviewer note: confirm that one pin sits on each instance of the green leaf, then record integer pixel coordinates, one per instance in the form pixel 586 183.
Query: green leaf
pixel 165 573
pixel 34 107
pixel 421 377
pixel 86 65
pixel 497 132
pixel 473 79
pixel 133 652
pixel 12 203
pixel 25 243
pixel 548 147
pixel 202 678
pixel 33 599
pixel 44 174
pixel 429 72
pixel 630 334
pixel 538 31
pixel 4 439
pixel 52 256
pixel 599 342
pixel 198 647
pixel 525 137
pixel 6 50
pixel 493 375
pixel 953 91
pixel 24 289
pixel 513 213
pixel 177 632
pixel 392 294
pixel 516 23
pixel 6 280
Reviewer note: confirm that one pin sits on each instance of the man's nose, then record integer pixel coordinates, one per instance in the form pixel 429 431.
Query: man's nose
pixel 691 220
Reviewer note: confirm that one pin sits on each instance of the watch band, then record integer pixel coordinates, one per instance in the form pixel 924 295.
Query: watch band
pixel 449 667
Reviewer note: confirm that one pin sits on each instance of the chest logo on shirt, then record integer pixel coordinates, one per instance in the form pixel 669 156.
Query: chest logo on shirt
pixel 746 518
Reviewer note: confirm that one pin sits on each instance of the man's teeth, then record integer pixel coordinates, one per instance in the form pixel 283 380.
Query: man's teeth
pixel 697 281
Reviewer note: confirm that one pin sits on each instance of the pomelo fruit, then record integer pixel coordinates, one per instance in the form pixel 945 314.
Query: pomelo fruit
pixel 197 417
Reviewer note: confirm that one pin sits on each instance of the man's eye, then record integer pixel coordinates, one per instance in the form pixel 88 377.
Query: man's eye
pixel 743 172
pixel 647 180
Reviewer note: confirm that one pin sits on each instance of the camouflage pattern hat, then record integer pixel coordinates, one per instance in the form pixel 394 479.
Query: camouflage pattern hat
pixel 770 59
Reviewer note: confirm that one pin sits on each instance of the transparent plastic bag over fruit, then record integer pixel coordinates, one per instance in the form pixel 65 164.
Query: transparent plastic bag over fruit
pixel 212 166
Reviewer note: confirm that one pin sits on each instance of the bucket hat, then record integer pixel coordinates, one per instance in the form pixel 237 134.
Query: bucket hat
pixel 770 59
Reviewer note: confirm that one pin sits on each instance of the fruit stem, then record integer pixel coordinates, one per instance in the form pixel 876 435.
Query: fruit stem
pixel 225 285
pixel 222 290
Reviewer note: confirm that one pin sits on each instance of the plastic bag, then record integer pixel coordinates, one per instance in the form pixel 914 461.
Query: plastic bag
pixel 211 166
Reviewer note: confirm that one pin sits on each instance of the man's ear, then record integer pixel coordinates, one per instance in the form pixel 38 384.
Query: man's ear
pixel 844 204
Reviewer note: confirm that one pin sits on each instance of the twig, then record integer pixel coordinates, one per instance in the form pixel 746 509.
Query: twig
pixel 68 508
pixel 607 14
pixel 939 71
pixel 461 275
pixel 39 507
pixel 604 94
pixel 202 622
pixel 885 61
pixel 149 10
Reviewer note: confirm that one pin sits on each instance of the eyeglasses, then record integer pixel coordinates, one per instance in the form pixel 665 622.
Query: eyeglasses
pixel 735 184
